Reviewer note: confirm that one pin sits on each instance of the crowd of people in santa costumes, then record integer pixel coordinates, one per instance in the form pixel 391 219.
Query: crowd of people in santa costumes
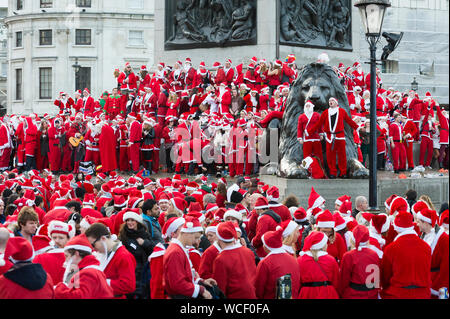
pixel 209 121
pixel 172 238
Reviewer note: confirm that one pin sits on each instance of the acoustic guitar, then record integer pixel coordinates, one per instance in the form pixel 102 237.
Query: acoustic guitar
pixel 75 141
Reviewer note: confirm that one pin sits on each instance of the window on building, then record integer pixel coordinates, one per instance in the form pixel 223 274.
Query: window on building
pixel 389 66
pixel 84 3
pixel 136 38
pixel 19 84
pixel 19 39
pixel 46 3
pixel 4 69
pixel 83 37
pixel 83 79
pixel 136 4
pixel 45 83
pixel 45 37
pixel 19 5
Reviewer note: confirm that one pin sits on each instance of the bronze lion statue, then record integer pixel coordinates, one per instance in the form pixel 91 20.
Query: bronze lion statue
pixel 317 82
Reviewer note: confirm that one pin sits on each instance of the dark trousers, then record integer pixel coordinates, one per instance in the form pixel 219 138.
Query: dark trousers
pixel 30 163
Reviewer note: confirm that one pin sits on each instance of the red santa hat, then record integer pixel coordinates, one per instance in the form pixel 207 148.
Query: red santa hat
pixel 212 227
pixel 218 214
pixel 361 236
pixel 179 204
pixel 278 63
pixel 380 222
pixel 429 216
pixel 315 200
pixel 418 206
pixel 211 208
pixel 87 91
pixel 403 222
pixel 262 203
pixel 300 215
pixel 41 244
pixel 19 250
pixel 192 186
pixel 80 243
pixel 342 199
pixel 340 222
pixel 226 232
pixel 172 225
pixel 59 227
pixel 120 201
pixel 315 241
pixel 399 204
pixel 288 227
pixel 89 199
pixel 234 214
pixel 217 65
pixel 191 225
pixel 346 208
pixel 443 220
pixel 273 240
pixel 133 214
pixel 273 194
pixel 325 220
pixel 388 201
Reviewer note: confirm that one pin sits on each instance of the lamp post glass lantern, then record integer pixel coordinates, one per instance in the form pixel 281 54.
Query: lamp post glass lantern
pixel 372 16
pixel 414 85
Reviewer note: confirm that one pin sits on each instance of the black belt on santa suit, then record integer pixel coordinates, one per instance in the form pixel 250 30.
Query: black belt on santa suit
pixel 412 287
pixel 334 140
pixel 437 269
pixel 360 287
pixel 316 284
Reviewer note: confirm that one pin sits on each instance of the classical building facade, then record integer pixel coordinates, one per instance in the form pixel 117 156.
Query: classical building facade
pixel 46 38
pixel 3 56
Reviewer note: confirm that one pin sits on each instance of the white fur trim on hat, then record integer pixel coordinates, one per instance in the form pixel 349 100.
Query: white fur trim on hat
pixel 306 163
pixel 233 213
pixel 289 229
pixel 326 224
pixel 224 240
pixel 132 215
pixel 78 247
pixel 424 218
pixel 320 244
pixel 212 229
pixel 177 223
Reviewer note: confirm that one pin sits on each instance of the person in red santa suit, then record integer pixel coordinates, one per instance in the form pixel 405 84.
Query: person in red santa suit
pixel 428 128
pixel 55 155
pixel 443 137
pixel 156 145
pixel 382 128
pixel 439 258
pixel 191 74
pixel 177 78
pixel 20 138
pixel 24 280
pixel 378 78
pixel 149 101
pixel 224 98
pixel 251 101
pixel 52 261
pixel 134 141
pixel 409 131
pixel 406 263
pixel 123 148
pixel 358 266
pixel 229 71
pixel 312 144
pixel 332 123
pixel 78 102
pixel 413 108
pixel 173 103
pixel 246 156
pixel 107 145
pixel 30 140
pixel 250 76
pixel 358 76
pixel 219 76
pixel 319 272
pixel 127 79
pixel 180 280
pixel 83 278
pixel 116 261
pixel 268 221
pixel 273 196
pixel 234 284
pixel 169 141
pixel 88 103
pixel 143 78
pixel 92 143
pixel 313 165
pixel 276 264
pixel 397 145
pixel 162 104
pixel 210 254
pixel 6 144
pixel 264 99
pixel 113 105
pixel 356 102
pixel 171 229
pixel 65 104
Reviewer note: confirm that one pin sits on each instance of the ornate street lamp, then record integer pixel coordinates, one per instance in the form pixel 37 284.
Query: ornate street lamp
pixel 372 15
pixel 414 85
pixel 76 66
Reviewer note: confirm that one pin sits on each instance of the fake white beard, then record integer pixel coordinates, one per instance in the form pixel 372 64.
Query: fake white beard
pixel 309 112
pixel 359 70
pixel 187 67
pixel 333 110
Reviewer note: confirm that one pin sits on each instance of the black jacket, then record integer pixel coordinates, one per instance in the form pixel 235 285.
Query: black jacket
pixel 154 229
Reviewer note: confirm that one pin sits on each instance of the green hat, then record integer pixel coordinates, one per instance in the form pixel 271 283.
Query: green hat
pixel 206 188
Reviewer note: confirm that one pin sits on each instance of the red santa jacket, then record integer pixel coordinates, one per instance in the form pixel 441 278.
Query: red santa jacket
pixel 281 210
pixel 149 103
pixel 88 105
pixel 439 262
pixel 207 260
pixel 135 132
pixel 358 79
pixel 406 262
pixel 27 282
pixel 235 284
pixel 409 131
pixel 395 132
pixel 195 256
pixel 225 101
pixel 190 78
pixel 176 80
pixel 413 108
pixel 30 138
pixel 156 270
pixel 220 77
pixel 267 221
pixel 113 105
pixel 120 271
pixel 355 270
pixel 145 82
pixel 305 123
pixel 64 105
pixel 428 128
pixel 314 167
pixel 381 140
pixel 443 123
pixel 127 82
pixel 338 248
pixel 52 262
pixel 337 132
pixel 179 276
pixel 272 267
pixel 325 269
pixel 229 75
pixel 88 283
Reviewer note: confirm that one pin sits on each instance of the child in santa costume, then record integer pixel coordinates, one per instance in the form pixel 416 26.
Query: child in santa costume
pixel 235 284
pixel 354 282
pixel 276 264
pixel 319 272
pixel 83 278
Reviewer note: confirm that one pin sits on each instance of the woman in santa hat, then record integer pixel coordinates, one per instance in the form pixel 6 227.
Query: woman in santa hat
pixel 336 244
pixel 83 278
pixel 276 264
pixel 360 268
pixel 319 272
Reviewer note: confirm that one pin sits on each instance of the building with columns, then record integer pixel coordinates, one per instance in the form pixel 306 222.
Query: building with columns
pixel 46 38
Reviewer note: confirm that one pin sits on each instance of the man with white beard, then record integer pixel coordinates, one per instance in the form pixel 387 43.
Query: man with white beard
pixel 358 75
pixel 311 144
pixel 191 74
